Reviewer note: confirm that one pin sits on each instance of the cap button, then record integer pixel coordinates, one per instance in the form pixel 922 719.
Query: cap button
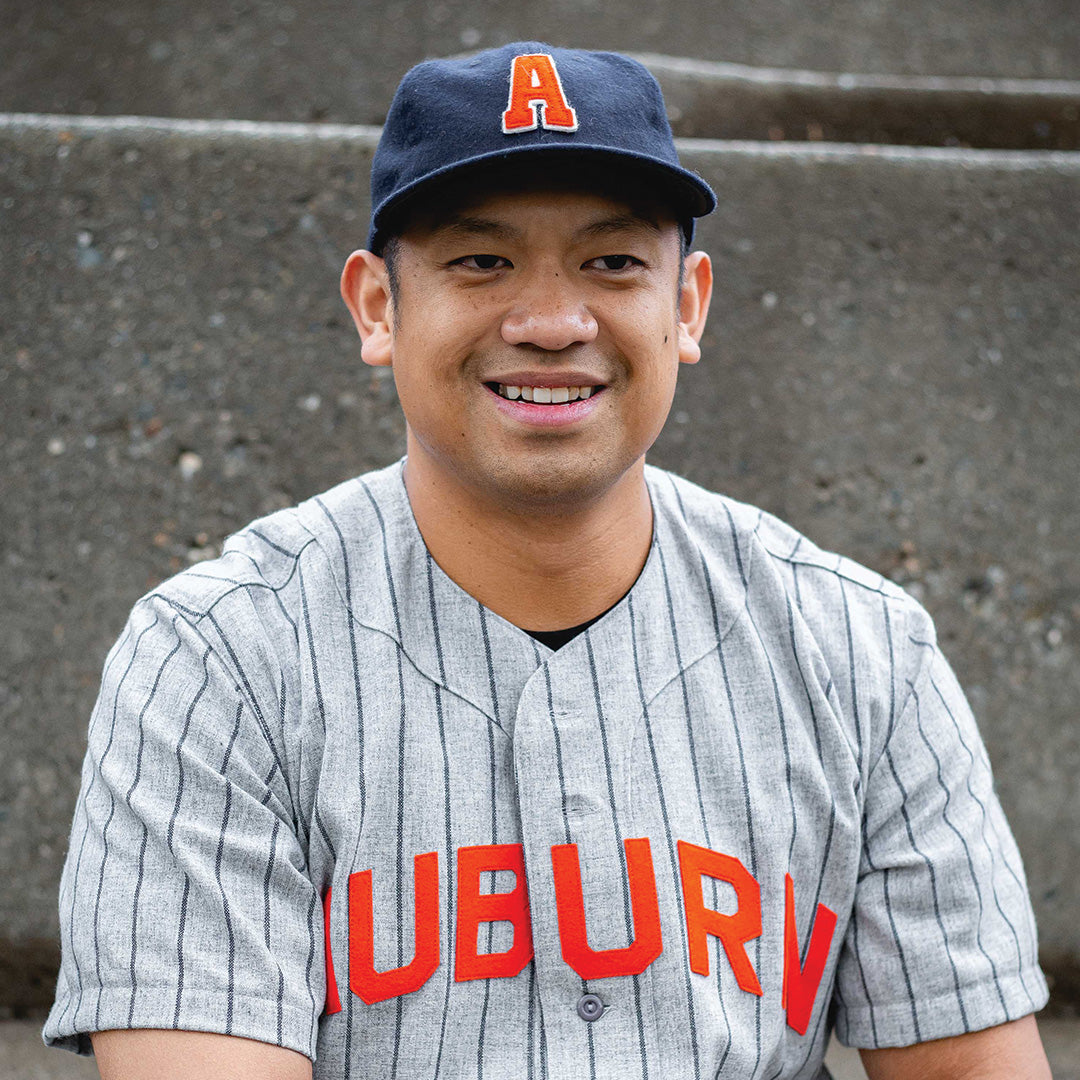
pixel 590 1008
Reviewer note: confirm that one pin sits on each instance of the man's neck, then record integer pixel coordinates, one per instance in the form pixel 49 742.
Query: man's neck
pixel 542 570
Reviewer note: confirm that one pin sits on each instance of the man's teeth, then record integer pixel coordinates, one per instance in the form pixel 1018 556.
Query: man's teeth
pixel 546 395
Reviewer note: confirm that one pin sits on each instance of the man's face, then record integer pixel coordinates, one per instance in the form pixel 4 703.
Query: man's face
pixel 570 299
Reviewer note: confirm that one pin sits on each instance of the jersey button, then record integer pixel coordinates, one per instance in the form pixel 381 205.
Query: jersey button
pixel 590 1008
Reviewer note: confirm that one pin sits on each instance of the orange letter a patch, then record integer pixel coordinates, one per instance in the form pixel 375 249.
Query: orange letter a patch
pixel 536 97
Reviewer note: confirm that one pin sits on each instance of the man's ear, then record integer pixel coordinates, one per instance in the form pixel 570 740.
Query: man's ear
pixel 365 288
pixel 694 305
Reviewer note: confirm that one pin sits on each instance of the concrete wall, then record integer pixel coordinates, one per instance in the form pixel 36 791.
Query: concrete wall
pixel 339 60
pixel 891 365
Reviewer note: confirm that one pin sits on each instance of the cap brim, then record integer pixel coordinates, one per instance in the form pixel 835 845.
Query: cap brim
pixel 687 194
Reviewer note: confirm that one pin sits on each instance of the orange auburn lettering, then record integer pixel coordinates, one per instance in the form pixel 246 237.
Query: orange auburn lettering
pixel 801 980
pixel 475 907
pixel 647 945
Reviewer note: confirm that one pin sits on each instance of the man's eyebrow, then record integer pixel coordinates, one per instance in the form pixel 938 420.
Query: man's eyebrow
pixel 617 223
pixel 468 225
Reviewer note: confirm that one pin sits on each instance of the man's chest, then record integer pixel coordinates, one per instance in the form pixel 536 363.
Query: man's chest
pixel 658 852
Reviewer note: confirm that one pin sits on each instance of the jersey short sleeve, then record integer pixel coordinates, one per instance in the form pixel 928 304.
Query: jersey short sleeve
pixel 942 936
pixel 185 900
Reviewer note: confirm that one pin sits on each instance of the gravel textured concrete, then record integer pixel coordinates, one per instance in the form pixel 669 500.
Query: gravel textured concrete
pixel 891 366
pixel 339 60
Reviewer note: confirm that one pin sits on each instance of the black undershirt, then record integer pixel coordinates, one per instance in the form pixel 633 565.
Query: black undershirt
pixel 556 639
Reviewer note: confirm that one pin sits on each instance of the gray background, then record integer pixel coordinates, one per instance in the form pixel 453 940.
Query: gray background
pixel 891 365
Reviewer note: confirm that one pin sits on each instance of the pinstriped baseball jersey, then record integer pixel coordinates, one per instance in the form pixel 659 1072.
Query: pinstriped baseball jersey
pixel 747 804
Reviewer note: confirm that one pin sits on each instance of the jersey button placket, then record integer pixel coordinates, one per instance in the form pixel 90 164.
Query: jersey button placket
pixel 590 1008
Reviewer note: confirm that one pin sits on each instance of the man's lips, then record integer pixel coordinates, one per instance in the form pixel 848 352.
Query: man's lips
pixel 553 405
pixel 545 388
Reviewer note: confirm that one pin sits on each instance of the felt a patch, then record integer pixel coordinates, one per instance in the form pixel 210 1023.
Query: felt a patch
pixel 536 97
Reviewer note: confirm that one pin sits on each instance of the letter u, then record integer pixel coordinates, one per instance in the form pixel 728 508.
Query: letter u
pixel 647 945
pixel 364 981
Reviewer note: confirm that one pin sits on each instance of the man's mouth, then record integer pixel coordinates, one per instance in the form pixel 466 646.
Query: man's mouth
pixel 544 395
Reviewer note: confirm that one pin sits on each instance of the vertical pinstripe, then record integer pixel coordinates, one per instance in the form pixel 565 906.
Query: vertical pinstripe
pixel 145 832
pixel 566 832
pixel 933 884
pixel 108 822
pixel 482 613
pixel 735 725
pixel 68 895
pixel 963 843
pixel 359 706
pixel 401 771
pixel 317 685
pixel 822 1010
pixel 231 961
pixel 859 737
pixel 251 695
pixel 672 859
pixel 994 849
pixel 619 845
pixel 180 951
pixel 562 788
pixel 446 795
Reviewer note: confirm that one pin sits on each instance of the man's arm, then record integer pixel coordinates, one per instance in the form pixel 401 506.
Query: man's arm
pixel 146 1054
pixel 1010 1051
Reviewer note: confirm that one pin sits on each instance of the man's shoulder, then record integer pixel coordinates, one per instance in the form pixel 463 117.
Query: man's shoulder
pixel 768 549
pixel 266 554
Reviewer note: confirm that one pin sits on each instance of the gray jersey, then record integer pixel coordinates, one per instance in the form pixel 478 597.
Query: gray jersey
pixel 748 803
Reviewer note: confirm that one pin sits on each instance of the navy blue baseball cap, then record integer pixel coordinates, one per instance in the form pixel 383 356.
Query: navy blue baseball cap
pixel 558 106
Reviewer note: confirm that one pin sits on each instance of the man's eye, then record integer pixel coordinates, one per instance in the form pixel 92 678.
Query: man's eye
pixel 615 262
pixel 481 262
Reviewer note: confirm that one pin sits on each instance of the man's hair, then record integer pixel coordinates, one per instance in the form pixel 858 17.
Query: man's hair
pixel 469 185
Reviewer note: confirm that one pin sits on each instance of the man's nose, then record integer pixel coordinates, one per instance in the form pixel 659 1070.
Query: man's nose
pixel 549 314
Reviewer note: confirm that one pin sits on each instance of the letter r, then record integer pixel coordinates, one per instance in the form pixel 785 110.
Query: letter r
pixel 734 931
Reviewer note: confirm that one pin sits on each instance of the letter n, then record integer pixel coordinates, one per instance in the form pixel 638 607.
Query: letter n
pixel 475 908
pixel 535 85
pixel 801 981
pixel 734 931
pixel 364 981
pixel 570 902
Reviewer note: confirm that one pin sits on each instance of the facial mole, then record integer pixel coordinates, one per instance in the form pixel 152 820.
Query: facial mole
pixel 665 339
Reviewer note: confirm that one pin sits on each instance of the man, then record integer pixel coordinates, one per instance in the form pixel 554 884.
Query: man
pixel 521 758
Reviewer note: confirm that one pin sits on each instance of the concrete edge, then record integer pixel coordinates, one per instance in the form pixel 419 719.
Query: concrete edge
pixel 264 131
pixel 710 71
pixel 239 129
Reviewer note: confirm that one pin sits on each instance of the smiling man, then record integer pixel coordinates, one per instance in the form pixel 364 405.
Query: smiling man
pixel 521 757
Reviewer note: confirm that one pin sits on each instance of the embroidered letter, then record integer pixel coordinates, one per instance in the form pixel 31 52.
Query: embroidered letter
pixel 333 1002
pixel 475 908
pixel 535 85
pixel 647 944
pixel 364 981
pixel 734 931
pixel 801 981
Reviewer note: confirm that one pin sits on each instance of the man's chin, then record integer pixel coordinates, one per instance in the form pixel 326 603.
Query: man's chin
pixel 551 487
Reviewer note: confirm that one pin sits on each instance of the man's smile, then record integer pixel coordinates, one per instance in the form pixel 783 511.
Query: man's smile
pixel 545 395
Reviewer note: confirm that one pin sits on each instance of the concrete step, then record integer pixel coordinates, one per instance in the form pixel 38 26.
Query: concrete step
pixel 732 101
pixel 891 365
pixel 339 61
